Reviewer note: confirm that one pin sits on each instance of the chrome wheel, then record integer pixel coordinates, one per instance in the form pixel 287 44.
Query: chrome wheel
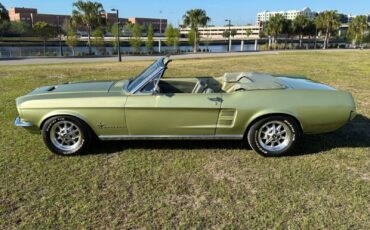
pixel 274 136
pixel 66 135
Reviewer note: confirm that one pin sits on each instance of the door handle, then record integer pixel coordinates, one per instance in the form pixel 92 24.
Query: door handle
pixel 216 99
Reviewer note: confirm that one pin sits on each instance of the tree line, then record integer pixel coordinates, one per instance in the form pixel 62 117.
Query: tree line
pixel 88 16
pixel 325 25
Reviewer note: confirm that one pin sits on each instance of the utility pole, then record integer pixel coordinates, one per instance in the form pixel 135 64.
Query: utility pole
pixel 118 36
pixel 228 20
pixel 60 37
pixel 160 22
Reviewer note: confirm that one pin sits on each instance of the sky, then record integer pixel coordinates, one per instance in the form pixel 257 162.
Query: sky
pixel 240 12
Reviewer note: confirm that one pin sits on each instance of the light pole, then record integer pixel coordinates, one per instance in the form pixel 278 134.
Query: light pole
pixel 160 22
pixel 228 20
pixel 60 37
pixel 160 32
pixel 118 36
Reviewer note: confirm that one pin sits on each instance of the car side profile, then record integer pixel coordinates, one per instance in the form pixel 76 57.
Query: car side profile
pixel 269 112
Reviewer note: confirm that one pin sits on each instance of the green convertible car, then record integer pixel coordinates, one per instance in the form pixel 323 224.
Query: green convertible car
pixel 270 112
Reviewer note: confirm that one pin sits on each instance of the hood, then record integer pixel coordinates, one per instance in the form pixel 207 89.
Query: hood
pixel 68 90
pixel 303 83
pixel 79 87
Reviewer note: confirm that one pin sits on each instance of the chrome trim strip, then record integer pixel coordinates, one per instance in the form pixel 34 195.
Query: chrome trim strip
pixel 170 137
pixel 19 123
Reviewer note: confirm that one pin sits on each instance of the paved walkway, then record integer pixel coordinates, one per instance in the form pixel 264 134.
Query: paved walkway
pixel 57 60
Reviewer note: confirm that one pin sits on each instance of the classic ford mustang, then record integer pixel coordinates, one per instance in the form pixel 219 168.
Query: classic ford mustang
pixel 269 112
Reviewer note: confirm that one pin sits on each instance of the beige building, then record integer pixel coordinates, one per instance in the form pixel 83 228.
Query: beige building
pixel 290 14
pixel 216 32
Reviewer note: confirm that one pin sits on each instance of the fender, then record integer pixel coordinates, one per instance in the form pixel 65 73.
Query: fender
pixel 61 113
pixel 267 112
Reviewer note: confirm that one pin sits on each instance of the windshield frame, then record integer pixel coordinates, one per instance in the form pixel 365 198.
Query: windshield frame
pixel 144 77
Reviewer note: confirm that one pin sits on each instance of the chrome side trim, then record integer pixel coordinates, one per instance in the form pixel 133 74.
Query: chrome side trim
pixel 169 137
pixel 19 123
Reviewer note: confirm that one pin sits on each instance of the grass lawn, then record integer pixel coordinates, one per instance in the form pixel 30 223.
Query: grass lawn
pixel 205 184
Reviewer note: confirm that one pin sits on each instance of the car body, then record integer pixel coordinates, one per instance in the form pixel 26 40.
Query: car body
pixel 155 107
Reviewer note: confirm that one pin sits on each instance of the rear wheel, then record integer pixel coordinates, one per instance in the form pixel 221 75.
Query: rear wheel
pixel 274 136
pixel 65 135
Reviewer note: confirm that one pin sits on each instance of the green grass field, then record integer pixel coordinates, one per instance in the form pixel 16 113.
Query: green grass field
pixel 205 184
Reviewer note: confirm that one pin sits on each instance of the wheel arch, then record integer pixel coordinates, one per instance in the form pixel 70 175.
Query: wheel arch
pixel 67 114
pixel 259 117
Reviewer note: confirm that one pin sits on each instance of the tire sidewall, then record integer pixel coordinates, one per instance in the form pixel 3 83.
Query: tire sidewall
pixel 78 150
pixel 254 131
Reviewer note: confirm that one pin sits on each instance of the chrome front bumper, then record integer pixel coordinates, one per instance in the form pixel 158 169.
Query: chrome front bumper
pixel 19 123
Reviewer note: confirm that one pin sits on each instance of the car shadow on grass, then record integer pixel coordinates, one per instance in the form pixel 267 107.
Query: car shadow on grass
pixel 355 134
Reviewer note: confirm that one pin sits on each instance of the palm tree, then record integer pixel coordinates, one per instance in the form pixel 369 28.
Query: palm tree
pixel 357 28
pixel 310 31
pixel 88 14
pixel 275 26
pixel 4 20
pixel 327 22
pixel 4 16
pixel 300 24
pixel 195 18
pixel 288 30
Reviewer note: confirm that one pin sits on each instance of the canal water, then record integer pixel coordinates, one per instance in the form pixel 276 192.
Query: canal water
pixel 24 51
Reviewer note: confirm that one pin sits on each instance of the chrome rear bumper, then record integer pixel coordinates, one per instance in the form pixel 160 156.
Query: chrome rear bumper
pixel 19 123
pixel 352 115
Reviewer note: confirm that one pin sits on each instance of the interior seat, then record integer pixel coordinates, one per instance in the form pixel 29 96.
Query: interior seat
pixel 200 86
pixel 208 90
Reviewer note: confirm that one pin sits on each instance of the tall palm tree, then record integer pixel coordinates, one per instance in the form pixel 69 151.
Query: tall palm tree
pixel 300 24
pixel 310 31
pixel 4 16
pixel 195 18
pixel 288 30
pixel 357 28
pixel 89 15
pixel 275 26
pixel 4 20
pixel 327 22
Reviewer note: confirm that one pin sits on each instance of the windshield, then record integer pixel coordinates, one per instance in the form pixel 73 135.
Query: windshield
pixel 141 77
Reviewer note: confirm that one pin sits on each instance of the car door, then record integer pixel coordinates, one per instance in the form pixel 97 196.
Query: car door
pixel 182 114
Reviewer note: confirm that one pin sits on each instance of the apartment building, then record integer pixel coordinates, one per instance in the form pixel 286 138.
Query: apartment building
pixel 290 14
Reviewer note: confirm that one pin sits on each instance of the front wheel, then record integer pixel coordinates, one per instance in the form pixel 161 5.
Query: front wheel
pixel 274 136
pixel 65 135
